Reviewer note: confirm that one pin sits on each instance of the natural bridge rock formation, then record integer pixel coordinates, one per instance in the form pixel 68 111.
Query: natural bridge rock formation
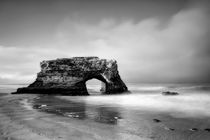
pixel 69 75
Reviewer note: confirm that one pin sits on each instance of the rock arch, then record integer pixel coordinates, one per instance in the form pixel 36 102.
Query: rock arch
pixel 95 86
pixel 100 78
pixel 69 75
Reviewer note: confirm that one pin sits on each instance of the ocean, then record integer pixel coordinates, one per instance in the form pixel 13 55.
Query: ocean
pixel 143 113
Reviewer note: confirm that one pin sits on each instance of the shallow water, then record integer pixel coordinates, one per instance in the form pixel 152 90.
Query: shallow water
pixel 122 116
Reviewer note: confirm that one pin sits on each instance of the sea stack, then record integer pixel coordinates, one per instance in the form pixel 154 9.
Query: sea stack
pixel 69 75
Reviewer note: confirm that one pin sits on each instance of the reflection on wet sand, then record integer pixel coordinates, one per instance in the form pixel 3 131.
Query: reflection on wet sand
pixel 79 110
pixel 109 115
pixel 53 105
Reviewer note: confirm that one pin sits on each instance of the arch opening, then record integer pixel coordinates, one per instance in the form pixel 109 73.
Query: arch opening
pixel 95 86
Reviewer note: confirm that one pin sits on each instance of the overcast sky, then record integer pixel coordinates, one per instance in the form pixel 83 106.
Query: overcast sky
pixel 152 40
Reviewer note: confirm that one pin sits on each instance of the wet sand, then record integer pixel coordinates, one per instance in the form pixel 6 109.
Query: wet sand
pixel 19 121
pixel 35 117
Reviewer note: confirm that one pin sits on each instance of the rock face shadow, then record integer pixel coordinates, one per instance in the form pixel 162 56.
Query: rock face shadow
pixel 69 76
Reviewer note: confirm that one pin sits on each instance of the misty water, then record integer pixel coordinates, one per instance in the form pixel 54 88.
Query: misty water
pixel 132 113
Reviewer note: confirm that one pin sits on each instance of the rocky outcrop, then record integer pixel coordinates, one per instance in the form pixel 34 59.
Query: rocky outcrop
pixel 69 75
pixel 169 93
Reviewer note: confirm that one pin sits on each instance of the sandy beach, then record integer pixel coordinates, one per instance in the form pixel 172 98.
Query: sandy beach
pixel 32 117
pixel 19 121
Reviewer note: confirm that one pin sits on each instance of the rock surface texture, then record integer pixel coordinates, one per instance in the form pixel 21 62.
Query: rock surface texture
pixel 69 75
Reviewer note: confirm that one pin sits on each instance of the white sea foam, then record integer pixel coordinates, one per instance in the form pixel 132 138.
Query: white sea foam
pixel 148 88
pixel 186 104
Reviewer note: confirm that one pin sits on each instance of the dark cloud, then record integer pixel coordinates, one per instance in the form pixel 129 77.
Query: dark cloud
pixel 33 22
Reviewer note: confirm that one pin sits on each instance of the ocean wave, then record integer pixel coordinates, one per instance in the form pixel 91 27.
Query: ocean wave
pixel 187 105
pixel 148 88
pixel 197 87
